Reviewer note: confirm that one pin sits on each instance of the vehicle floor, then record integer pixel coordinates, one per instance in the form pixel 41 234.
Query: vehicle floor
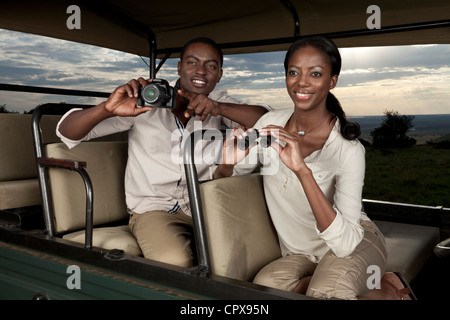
pixel 433 281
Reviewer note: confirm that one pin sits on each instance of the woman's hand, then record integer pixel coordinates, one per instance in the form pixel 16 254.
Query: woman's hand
pixel 291 153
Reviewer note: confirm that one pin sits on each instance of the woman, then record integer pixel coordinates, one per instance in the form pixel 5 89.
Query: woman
pixel 314 194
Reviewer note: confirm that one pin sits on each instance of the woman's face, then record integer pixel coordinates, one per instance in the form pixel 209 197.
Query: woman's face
pixel 308 78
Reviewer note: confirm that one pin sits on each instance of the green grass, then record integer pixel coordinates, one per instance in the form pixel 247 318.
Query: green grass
pixel 418 175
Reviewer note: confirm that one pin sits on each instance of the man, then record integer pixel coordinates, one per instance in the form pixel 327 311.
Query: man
pixel 155 184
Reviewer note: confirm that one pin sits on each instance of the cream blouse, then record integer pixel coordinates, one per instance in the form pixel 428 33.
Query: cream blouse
pixel 338 168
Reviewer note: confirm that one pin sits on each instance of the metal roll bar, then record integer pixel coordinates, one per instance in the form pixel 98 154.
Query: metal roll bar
pixel 195 199
pixel 43 163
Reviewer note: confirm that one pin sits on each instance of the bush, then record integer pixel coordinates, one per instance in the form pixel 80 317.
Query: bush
pixel 445 144
pixel 3 109
pixel 392 132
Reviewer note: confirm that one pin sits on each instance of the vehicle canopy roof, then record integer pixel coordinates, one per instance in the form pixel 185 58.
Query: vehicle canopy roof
pixel 239 26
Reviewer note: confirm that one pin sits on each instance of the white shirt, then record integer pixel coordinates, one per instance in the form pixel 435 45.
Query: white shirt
pixel 155 176
pixel 338 168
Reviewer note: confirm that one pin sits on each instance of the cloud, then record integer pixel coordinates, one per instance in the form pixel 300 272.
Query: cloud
pixel 430 56
pixel 42 55
pixel 372 80
pixel 410 79
pixel 419 91
pixel 361 77
pixel 41 61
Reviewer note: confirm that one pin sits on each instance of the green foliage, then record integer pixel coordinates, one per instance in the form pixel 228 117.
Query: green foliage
pixel 392 132
pixel 417 175
pixel 442 142
pixel 3 109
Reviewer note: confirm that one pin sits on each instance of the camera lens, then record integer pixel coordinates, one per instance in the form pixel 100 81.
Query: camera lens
pixel 151 93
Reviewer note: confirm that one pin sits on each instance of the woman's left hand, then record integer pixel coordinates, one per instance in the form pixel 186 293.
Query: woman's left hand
pixel 291 153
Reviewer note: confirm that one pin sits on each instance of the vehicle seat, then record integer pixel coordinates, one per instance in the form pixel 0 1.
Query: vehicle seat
pixel 19 186
pixel 409 246
pixel 106 162
pixel 242 239
pixel 87 178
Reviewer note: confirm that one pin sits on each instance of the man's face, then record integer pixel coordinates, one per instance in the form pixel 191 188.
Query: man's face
pixel 199 69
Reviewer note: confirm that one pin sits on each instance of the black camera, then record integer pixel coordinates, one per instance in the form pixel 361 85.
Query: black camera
pixel 158 93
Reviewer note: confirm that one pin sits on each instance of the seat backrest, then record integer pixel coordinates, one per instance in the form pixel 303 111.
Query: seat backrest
pixel 17 158
pixel 18 174
pixel 241 237
pixel 106 162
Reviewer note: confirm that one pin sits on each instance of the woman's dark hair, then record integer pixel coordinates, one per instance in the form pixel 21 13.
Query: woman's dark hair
pixel 349 130
pixel 205 40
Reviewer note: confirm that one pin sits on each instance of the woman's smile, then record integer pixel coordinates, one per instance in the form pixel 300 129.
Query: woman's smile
pixel 304 96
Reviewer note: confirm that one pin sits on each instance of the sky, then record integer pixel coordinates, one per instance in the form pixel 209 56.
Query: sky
pixel 409 79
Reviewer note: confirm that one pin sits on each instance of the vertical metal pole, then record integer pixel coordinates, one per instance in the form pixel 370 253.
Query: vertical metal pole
pixel 152 54
pixel 195 201
pixel 42 173
pixel 89 208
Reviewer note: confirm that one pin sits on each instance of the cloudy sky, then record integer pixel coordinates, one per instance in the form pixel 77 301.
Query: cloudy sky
pixel 407 79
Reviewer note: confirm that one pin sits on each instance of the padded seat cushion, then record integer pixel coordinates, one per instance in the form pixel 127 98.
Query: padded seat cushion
pixel 19 193
pixel 110 238
pixel 19 186
pixel 242 239
pixel 16 142
pixel 240 234
pixel 408 245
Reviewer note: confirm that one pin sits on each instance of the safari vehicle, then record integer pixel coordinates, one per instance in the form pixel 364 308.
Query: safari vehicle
pixel 63 221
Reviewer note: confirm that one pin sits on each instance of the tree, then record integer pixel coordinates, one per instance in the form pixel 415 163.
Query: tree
pixel 392 132
pixel 3 109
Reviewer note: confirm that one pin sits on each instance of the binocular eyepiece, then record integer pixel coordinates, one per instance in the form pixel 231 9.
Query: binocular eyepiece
pixel 251 137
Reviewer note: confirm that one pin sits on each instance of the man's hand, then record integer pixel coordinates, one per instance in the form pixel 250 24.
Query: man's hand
pixel 122 101
pixel 231 153
pixel 200 105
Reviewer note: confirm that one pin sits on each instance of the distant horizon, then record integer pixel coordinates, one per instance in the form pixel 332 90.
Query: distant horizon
pixel 381 115
pixel 348 115
pixel 426 126
pixel 10 109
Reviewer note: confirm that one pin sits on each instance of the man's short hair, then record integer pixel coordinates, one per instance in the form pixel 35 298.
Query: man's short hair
pixel 206 40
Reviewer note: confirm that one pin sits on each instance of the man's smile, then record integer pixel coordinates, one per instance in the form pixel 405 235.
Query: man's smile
pixel 200 83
